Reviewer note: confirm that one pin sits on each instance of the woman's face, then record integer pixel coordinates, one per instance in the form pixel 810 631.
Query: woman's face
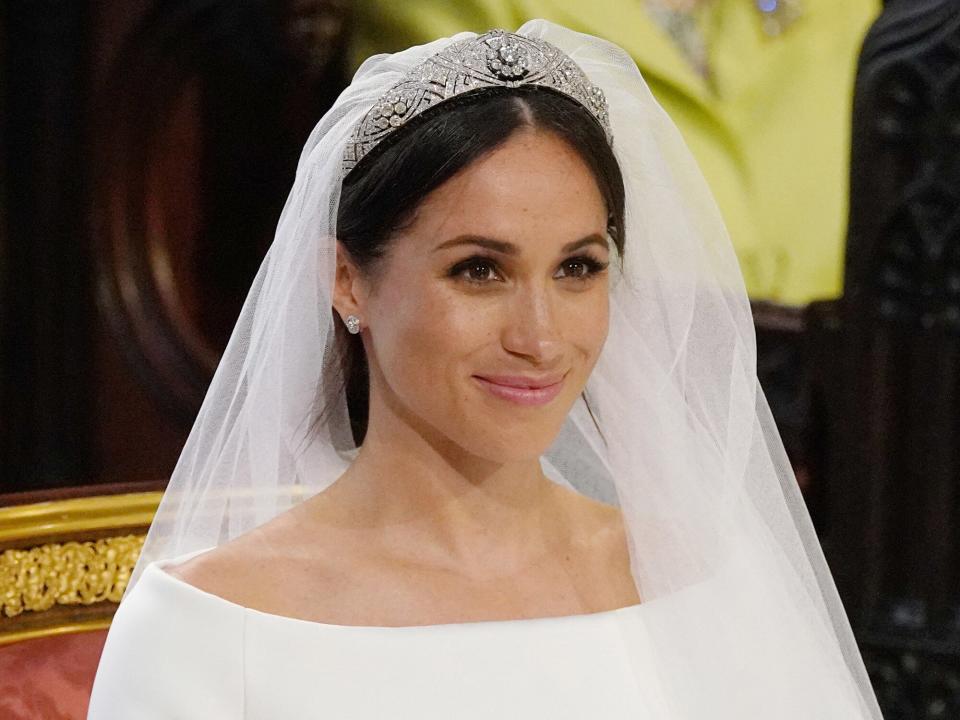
pixel 491 308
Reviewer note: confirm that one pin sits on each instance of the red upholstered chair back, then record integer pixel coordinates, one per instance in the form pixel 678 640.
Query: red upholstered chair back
pixel 49 677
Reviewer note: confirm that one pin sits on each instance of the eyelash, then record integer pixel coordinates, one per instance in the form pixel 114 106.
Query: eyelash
pixel 591 265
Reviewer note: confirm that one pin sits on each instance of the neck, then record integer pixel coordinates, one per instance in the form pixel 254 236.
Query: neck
pixel 433 502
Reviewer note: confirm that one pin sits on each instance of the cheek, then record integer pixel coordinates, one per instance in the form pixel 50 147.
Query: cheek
pixel 425 334
pixel 587 321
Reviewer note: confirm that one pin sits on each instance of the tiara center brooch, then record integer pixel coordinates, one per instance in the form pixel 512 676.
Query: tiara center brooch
pixel 495 59
pixel 507 58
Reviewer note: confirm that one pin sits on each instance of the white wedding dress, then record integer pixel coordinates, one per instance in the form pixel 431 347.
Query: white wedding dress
pixel 175 651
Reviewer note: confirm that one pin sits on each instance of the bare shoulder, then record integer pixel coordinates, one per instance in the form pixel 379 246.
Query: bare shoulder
pixel 258 569
pixel 227 570
pixel 597 523
pixel 291 565
pixel 602 541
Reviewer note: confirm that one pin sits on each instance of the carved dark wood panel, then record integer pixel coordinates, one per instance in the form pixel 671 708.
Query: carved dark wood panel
pixel 202 119
pixel 148 147
pixel 44 261
pixel 889 392
pixel 904 245
pixel 914 685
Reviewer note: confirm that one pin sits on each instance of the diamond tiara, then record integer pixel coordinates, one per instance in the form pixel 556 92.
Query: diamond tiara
pixel 495 59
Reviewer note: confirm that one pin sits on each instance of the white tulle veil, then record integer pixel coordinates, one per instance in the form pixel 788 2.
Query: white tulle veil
pixel 742 615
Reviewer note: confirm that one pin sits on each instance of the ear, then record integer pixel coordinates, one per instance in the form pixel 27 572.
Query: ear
pixel 348 289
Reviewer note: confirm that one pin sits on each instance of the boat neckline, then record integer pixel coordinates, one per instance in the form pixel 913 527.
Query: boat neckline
pixel 157 567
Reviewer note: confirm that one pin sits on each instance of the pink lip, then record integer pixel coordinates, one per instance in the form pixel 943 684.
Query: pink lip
pixel 521 390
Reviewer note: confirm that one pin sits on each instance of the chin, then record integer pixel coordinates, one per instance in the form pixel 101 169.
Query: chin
pixel 502 439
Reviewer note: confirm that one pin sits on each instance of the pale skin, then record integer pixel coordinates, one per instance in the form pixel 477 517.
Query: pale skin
pixel 445 515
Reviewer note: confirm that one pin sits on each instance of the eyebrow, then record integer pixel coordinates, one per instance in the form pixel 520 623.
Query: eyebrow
pixel 507 248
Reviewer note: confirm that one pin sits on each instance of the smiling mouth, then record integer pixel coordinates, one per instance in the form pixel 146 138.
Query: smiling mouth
pixel 522 391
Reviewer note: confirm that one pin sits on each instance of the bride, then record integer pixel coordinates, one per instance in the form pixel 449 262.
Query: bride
pixel 487 440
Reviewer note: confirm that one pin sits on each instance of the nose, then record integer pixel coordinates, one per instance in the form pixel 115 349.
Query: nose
pixel 531 326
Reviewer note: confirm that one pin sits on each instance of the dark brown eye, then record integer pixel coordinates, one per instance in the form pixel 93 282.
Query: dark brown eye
pixel 582 267
pixel 576 268
pixel 475 270
pixel 480 271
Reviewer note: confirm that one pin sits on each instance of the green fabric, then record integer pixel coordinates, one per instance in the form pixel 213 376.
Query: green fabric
pixel 770 130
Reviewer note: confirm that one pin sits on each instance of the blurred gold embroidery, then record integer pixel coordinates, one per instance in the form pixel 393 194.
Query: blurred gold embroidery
pixel 70 573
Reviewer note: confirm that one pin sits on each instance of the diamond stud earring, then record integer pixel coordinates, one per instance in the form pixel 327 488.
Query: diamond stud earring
pixel 353 324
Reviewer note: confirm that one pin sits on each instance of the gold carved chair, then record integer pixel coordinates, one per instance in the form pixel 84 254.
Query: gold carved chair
pixel 64 563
